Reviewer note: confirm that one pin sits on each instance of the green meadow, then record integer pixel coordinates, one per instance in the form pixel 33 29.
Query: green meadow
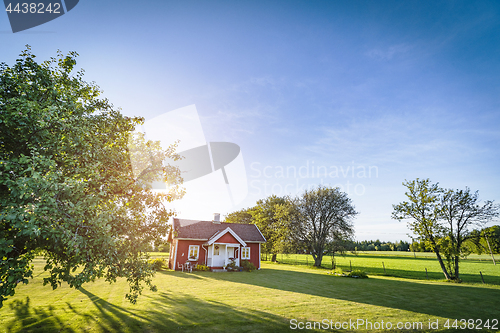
pixel 268 300
pixel 406 265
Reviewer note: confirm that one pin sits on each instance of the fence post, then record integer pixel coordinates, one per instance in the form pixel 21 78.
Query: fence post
pixel 481 276
pixel 383 266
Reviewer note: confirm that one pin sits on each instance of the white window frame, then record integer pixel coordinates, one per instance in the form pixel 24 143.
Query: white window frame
pixel 196 249
pixel 245 253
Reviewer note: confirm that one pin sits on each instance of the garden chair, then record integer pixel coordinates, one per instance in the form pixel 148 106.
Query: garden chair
pixel 189 267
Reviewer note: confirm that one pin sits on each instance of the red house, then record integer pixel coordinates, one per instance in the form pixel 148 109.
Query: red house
pixel 213 243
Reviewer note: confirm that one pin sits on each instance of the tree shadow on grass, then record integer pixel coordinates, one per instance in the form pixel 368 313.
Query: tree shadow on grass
pixel 28 319
pixel 177 311
pixel 421 275
pixel 184 275
pixel 433 299
pixel 167 312
pixel 402 273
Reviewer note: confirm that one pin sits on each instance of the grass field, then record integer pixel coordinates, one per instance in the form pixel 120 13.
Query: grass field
pixel 406 265
pixel 260 301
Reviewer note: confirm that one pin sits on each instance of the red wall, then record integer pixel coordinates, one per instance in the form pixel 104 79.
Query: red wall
pixel 254 254
pixel 183 248
pixel 227 238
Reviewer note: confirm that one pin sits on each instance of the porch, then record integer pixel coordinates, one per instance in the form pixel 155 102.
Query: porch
pixel 220 255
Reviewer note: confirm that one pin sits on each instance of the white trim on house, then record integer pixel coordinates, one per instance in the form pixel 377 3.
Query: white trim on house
pixel 223 254
pixel 259 256
pixel 243 250
pixel 222 233
pixel 261 234
pixel 206 254
pixel 197 251
pixel 192 239
pixel 175 255
pixel 227 244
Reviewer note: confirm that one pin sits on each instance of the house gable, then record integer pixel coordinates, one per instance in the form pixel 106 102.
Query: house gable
pixel 227 234
pixel 228 238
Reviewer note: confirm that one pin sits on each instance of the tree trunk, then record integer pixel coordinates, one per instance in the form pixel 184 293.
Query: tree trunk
pixel 457 277
pixel 441 263
pixel 273 258
pixel 318 259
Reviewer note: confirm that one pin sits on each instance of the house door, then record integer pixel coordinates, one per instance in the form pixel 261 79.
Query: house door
pixel 219 257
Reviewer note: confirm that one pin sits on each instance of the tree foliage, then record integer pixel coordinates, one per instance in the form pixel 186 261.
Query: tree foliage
pixel 273 216
pixel 444 219
pixel 324 220
pixel 486 240
pixel 239 216
pixel 67 185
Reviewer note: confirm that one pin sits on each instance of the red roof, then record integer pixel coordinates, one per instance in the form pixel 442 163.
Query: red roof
pixel 204 230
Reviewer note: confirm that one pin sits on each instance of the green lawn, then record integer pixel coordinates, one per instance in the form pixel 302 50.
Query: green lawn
pixel 406 265
pixel 260 301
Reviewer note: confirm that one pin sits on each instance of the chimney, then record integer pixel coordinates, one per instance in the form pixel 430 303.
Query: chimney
pixel 216 218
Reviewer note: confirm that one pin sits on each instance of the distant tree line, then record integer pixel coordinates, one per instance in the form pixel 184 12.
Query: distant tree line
pixel 377 245
pixel 480 242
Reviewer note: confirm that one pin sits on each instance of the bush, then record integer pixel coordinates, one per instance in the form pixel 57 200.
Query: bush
pixel 232 266
pixel 202 268
pixel 157 264
pixel 164 247
pixel 356 273
pixel 247 266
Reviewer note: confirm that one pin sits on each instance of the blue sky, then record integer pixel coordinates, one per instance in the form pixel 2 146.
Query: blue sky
pixel 405 89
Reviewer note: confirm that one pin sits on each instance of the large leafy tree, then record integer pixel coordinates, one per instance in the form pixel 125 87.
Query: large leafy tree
pixel 68 189
pixel 444 219
pixel 323 220
pixel 239 216
pixel 273 215
pixel 422 212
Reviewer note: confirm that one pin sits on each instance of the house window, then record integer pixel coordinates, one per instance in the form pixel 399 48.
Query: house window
pixel 245 253
pixel 193 252
pixel 216 250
